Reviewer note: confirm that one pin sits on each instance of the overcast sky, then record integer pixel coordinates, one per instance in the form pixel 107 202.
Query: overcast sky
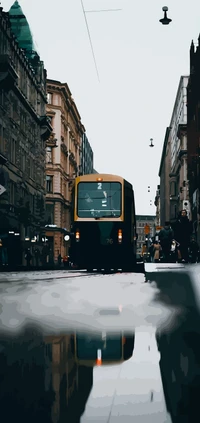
pixel 139 62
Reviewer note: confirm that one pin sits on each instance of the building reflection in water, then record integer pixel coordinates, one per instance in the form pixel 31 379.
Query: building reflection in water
pixel 49 379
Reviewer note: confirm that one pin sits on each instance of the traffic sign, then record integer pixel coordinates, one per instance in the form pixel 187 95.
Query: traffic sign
pixel 2 189
pixel 147 229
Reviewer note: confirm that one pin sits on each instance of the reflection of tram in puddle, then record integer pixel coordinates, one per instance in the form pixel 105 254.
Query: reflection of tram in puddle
pixel 54 374
pixel 105 348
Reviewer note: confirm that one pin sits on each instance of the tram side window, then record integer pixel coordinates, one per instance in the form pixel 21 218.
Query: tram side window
pixel 99 199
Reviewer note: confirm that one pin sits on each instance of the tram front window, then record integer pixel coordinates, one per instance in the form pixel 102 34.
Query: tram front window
pixel 99 199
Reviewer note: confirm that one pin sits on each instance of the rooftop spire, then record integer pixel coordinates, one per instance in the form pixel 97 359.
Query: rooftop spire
pixel 21 29
pixel 192 47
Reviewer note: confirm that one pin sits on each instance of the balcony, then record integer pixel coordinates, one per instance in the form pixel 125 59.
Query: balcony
pixel 72 158
pixel 182 130
pixel 182 153
pixel 46 128
pixel 8 75
pixel 51 141
pixel 64 149
pixel 3 160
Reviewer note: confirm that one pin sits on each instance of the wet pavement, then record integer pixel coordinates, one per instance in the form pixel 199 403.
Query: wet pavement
pixel 132 390
pixel 82 347
pixel 59 303
pixel 178 287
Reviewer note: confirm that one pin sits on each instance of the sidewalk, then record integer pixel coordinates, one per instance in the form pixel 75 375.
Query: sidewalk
pixel 19 268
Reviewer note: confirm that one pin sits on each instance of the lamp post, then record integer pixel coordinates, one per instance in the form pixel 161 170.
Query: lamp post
pixel 151 143
pixel 165 20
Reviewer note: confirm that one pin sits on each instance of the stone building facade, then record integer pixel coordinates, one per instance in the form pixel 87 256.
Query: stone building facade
pixel 24 129
pixel 193 136
pixel 157 204
pixel 63 161
pixel 179 193
pixel 164 172
pixel 87 157
pixel 174 186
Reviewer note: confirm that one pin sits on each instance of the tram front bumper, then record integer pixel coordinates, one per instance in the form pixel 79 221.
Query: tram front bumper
pixel 100 256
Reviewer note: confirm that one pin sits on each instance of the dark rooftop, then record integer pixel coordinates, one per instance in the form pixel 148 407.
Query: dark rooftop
pixel 21 29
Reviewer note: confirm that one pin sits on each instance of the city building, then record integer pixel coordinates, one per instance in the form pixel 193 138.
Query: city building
pixel 157 204
pixel 24 129
pixel 63 161
pixel 61 373
pixel 164 172
pixel 179 192
pixel 174 191
pixel 86 157
pixel 69 381
pixel 193 135
pixel 141 222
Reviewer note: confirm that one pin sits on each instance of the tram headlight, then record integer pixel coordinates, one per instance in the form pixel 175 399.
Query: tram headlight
pixel 119 235
pixel 77 235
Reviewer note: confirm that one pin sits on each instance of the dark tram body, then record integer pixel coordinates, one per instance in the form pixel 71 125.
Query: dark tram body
pixel 104 223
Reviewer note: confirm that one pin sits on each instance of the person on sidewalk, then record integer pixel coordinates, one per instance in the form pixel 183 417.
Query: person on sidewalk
pixel 183 232
pixel 157 249
pixel 193 250
pixel 166 236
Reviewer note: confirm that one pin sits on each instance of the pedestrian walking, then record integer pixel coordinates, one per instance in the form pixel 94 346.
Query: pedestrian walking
pixel 193 250
pixel 183 232
pixel 166 236
pixel 157 250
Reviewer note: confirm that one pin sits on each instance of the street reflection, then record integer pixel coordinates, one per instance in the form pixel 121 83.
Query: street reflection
pixel 50 379
pixel 178 342
pixel 103 348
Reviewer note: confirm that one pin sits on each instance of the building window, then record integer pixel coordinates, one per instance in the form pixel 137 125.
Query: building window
pixel 49 155
pixel 1 137
pixel 13 151
pixel 2 98
pixel 49 183
pixel 49 214
pixel 23 160
pixel 175 211
pixel 23 121
pixel 32 168
pixel 50 98
pixel 12 192
pixel 173 188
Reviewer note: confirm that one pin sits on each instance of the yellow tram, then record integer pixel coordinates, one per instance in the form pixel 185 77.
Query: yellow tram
pixel 103 223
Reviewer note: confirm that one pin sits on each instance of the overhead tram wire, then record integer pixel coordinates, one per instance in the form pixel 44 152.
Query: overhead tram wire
pixel 95 11
pixel 103 10
pixel 84 13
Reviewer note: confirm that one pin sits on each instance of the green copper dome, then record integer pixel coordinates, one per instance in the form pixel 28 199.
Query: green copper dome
pixel 21 29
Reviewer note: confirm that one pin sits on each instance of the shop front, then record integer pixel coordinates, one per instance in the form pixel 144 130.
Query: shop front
pixel 55 242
